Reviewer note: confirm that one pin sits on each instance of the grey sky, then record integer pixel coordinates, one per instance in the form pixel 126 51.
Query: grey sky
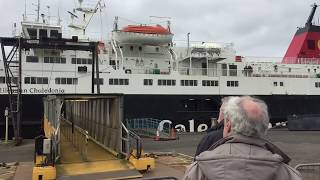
pixel 256 27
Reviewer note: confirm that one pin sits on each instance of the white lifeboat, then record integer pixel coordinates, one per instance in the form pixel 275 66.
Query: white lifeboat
pixel 143 34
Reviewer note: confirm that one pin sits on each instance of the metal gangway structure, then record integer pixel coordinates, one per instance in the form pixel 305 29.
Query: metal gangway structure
pixel 86 136
pixel 12 50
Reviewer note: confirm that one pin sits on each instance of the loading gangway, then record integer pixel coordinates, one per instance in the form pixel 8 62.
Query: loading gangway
pixel 84 136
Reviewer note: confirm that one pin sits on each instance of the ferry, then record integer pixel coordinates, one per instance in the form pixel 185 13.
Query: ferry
pixel 161 80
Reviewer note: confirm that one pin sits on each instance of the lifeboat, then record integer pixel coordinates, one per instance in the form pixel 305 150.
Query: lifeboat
pixel 146 29
pixel 143 34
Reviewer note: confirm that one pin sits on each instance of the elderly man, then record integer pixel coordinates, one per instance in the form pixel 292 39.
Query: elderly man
pixel 215 133
pixel 243 153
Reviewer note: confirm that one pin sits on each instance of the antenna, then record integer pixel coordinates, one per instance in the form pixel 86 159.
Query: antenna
pixel 25 10
pixel 38 11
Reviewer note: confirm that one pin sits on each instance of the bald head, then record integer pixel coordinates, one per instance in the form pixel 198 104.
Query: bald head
pixel 251 108
pixel 247 116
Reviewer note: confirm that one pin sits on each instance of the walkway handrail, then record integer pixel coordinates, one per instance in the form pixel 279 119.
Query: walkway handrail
pixel 307 164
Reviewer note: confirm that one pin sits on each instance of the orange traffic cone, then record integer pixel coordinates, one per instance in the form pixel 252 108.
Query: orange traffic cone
pixel 173 133
pixel 157 138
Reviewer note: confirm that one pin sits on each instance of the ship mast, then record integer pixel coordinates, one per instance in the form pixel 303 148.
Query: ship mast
pixel 310 18
pixel 38 11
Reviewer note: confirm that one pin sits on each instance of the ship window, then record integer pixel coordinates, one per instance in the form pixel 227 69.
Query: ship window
pixel 54 34
pixel 210 83
pixel 63 81
pixel 157 49
pixel 232 83
pixel 118 81
pixel 281 83
pixel 275 83
pixel 57 81
pixel 36 80
pixel 43 33
pixel 289 69
pixel 317 84
pixel 33 80
pixel 46 60
pixel 69 80
pixel 79 60
pixel 140 48
pixel 189 82
pixel 52 60
pixel 73 61
pixel 32 59
pixel 27 80
pixel 63 60
pixel 2 80
pixel 311 44
pixel 100 81
pixel 112 62
pixel 74 80
pixel 32 33
pixel 89 61
pixel 166 82
pixel 131 48
pixel 148 82
pixel 84 61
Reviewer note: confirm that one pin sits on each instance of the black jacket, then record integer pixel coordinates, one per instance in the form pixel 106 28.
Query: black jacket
pixel 213 135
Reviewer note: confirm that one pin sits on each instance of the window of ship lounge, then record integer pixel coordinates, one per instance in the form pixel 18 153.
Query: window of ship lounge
pixel 36 80
pixel 62 80
pixel 148 82
pixel 43 33
pixel 166 82
pixel 3 80
pixel 81 61
pixel 189 83
pixel 59 60
pixel 210 83
pixel 32 33
pixel 317 84
pixel 232 83
pixel 100 81
pixel 54 34
pixel 311 44
pixel 32 59
pixel 115 81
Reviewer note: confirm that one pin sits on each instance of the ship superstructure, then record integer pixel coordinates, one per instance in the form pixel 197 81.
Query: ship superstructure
pixel 161 79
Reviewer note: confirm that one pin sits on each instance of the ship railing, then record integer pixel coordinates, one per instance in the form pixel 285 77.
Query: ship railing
pixel 147 126
pixel 49 20
pixel 310 171
pixel 213 72
pixel 148 70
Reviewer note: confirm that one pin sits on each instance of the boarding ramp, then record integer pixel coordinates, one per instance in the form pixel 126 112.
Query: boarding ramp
pixel 88 137
pixel 309 171
pixel 150 128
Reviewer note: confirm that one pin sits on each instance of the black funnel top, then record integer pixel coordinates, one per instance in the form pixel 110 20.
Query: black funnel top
pixel 310 18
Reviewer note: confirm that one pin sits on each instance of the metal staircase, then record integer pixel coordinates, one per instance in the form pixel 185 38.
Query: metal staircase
pixel 12 68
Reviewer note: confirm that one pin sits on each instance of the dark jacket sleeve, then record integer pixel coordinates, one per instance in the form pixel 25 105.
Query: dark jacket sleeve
pixel 208 140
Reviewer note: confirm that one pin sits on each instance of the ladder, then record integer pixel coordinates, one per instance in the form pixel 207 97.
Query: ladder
pixel 12 67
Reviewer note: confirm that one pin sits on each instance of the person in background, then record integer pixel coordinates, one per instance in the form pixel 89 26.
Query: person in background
pixel 243 153
pixel 214 133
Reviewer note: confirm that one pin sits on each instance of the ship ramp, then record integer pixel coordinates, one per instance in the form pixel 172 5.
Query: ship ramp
pixel 84 138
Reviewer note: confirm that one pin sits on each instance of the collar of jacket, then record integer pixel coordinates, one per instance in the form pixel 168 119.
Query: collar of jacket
pixel 255 141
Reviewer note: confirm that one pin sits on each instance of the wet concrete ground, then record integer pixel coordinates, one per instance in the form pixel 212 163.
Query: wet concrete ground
pixel 301 146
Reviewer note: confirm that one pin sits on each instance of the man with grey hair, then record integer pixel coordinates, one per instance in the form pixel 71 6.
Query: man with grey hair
pixel 243 153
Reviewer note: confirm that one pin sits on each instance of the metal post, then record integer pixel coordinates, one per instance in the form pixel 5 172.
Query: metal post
pixel 6 114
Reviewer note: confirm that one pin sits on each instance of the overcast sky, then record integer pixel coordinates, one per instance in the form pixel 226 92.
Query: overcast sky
pixel 256 27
